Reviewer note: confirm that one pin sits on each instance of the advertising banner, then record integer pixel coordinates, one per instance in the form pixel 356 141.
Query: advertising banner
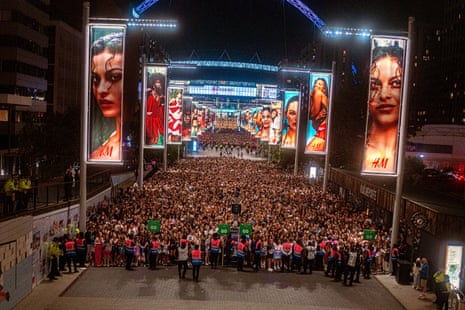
pixel 384 105
pixel 454 254
pixel 175 116
pixel 276 120
pixel 105 88
pixel 318 113
pixel 290 119
pixel 186 118
pixel 154 106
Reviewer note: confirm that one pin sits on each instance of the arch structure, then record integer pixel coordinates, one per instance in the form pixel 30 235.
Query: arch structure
pixel 299 5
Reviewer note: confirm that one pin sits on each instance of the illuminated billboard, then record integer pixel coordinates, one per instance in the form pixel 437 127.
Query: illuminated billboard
pixel 318 113
pixel 276 120
pixel 175 116
pixel 154 106
pixel 186 118
pixel 384 105
pixel 290 119
pixel 105 88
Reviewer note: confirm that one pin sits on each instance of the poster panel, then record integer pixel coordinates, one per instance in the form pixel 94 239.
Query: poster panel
pixel 105 89
pixel 384 105
pixel 265 126
pixel 318 113
pixel 454 255
pixel 186 118
pixel 276 120
pixel 290 119
pixel 175 115
pixel 154 106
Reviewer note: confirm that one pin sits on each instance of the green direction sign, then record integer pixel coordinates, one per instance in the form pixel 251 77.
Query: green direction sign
pixel 153 226
pixel 223 229
pixel 245 229
pixel 369 234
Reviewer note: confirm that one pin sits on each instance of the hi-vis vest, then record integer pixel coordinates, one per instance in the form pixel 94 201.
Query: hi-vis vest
pixel 80 244
pixel 240 250
pixel 154 248
pixel 70 248
pixel 298 251
pixel 196 257
pixel 129 246
pixel 215 246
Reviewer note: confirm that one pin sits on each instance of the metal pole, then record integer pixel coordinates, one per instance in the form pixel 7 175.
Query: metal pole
pixel 165 134
pixel 328 123
pixel 84 111
pixel 142 128
pixel 296 157
pixel 402 136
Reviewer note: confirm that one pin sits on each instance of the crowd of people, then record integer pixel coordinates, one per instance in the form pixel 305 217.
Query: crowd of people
pixel 295 226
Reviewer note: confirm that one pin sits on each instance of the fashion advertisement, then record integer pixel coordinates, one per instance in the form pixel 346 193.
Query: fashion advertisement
pixel 186 118
pixel 175 115
pixel 276 120
pixel 290 119
pixel 106 76
pixel 154 106
pixel 384 105
pixel 318 113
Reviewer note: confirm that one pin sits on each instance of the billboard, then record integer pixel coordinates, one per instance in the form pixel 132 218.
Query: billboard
pixel 154 106
pixel 276 120
pixel 105 89
pixel 186 118
pixel 384 105
pixel 318 113
pixel 290 119
pixel 175 115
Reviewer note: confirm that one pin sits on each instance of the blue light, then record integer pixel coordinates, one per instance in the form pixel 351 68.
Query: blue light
pixel 141 8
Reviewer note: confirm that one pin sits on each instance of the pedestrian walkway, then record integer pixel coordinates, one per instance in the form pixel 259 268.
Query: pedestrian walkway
pixel 406 294
pixel 51 295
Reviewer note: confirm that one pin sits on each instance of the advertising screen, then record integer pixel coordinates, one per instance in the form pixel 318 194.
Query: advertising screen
pixel 290 119
pixel 384 105
pixel 105 89
pixel 276 120
pixel 175 115
pixel 318 113
pixel 154 106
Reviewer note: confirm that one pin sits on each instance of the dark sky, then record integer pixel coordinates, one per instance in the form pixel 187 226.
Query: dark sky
pixel 273 29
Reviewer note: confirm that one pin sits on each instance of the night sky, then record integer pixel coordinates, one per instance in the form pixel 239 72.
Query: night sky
pixel 271 29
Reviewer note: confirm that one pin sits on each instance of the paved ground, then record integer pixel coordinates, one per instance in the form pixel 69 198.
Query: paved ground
pixel 110 288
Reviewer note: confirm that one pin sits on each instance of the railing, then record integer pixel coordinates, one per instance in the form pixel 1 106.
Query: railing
pixel 48 196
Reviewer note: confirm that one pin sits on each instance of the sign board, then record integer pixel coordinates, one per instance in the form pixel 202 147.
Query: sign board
pixel 369 234
pixel 245 229
pixel 153 226
pixel 223 229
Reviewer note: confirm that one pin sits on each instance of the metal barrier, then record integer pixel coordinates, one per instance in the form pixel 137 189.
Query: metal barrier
pixel 43 197
pixel 457 300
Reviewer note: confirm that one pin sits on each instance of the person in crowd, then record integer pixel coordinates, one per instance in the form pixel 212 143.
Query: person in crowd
pixel 153 254
pixel 416 273
pixel 215 250
pixel 257 248
pixel 81 248
pixel 53 253
pixel 424 272
pixel 183 255
pixel 241 253
pixel 129 245
pixel 386 74
pixel 394 257
pixel 70 252
pixel 442 289
pixel 289 137
pixel 196 262
pixel 107 88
